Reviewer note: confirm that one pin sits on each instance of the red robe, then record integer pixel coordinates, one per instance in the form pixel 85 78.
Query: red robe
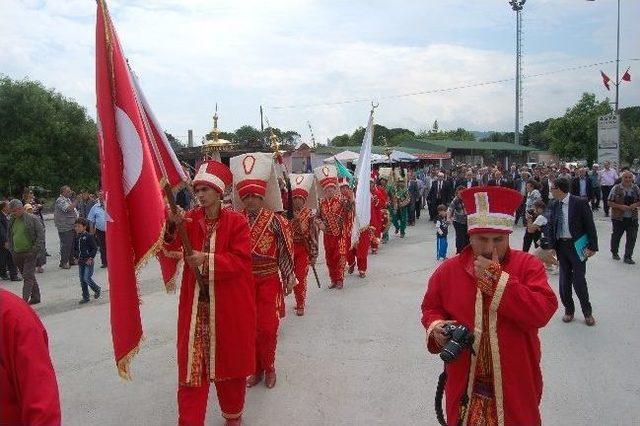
pixel 233 298
pixel 334 213
pixel 305 248
pixel 273 267
pixel 28 386
pixel 375 224
pixel 520 303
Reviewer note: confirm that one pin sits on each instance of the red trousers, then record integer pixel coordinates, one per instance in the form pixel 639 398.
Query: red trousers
pixel 360 251
pixel 335 256
pixel 301 269
pixel 192 401
pixel 267 298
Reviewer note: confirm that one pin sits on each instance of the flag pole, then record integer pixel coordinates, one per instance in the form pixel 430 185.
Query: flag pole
pixel 166 187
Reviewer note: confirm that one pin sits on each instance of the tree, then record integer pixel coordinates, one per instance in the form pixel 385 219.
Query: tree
pixel 46 139
pixel 459 134
pixel 342 140
pixel 575 135
pixel 499 137
pixel 248 133
pixel 536 134
pixel 629 134
pixel 173 141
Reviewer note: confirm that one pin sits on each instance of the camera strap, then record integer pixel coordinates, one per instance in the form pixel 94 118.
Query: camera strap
pixel 442 380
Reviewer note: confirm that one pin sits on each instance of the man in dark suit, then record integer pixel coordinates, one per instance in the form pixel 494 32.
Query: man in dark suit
pixel 438 194
pixel 8 269
pixel 499 180
pixel 467 181
pixel 570 218
pixel 581 185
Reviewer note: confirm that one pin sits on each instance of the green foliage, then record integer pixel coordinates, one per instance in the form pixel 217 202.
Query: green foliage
pixel 574 136
pixel 536 134
pixel 499 137
pixel 173 141
pixel 46 139
pixel 459 134
pixel 342 140
pixel 629 134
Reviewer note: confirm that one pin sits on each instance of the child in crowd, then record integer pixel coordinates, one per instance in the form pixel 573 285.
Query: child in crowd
pixel 539 227
pixel 442 229
pixel 87 248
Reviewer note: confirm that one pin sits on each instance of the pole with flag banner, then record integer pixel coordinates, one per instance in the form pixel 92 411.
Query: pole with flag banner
pixel 133 199
pixel 363 174
pixel 605 80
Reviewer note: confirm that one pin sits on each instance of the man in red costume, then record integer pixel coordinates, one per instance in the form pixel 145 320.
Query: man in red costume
pixel 216 316
pixel 305 233
pixel 503 296
pixel 376 225
pixel 28 386
pixel 257 192
pixel 334 212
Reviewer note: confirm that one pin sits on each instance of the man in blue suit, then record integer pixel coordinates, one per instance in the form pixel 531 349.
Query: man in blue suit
pixel 570 218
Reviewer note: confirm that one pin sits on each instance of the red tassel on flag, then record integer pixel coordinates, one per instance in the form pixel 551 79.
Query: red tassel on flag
pixel 627 75
pixel 605 80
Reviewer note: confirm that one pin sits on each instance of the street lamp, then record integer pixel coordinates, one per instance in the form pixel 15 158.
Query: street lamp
pixel 517 6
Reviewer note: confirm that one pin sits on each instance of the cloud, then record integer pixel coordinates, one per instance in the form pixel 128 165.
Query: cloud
pixel 190 54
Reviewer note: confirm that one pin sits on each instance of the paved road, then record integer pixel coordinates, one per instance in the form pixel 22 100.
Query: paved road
pixel 356 358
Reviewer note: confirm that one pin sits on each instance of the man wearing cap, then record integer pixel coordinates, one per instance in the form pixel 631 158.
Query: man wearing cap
pixel 385 216
pixel 400 206
pixel 257 193
pixel 503 297
pixel 26 242
pixel 358 251
pixel 217 315
pixel 376 223
pixel 334 213
pixel 305 233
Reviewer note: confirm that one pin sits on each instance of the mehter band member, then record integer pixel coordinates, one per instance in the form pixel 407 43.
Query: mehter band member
pixel 503 297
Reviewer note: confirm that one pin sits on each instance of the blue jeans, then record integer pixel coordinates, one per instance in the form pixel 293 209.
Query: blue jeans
pixel 441 246
pixel 86 272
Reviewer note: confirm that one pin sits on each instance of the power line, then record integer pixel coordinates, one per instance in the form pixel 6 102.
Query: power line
pixel 448 89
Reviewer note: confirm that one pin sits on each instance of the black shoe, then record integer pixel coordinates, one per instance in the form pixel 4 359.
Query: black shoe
pixel 16 279
pixel 34 302
pixel 4 277
pixel 83 301
pixel 96 294
pixel 629 261
pixel 615 256
pixel 103 266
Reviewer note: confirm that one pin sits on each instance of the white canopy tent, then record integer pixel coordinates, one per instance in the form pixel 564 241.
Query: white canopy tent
pixel 344 157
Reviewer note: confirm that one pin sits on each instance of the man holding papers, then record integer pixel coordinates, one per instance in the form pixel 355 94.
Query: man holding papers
pixel 572 234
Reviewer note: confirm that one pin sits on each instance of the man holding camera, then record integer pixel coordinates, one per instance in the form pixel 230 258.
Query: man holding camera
pixel 624 200
pixel 503 297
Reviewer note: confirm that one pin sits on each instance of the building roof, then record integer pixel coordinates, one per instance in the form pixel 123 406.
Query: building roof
pixel 466 145
pixel 424 146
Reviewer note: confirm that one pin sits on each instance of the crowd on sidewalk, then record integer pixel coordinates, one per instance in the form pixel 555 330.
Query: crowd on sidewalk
pixel 81 224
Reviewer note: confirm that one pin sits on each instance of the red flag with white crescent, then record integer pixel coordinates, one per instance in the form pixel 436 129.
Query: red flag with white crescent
pixel 134 201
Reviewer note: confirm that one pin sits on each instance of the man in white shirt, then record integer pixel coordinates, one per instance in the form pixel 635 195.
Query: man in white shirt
pixel 608 178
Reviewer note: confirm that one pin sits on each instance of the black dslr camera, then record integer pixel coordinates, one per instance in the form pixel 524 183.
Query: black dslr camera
pixel 460 338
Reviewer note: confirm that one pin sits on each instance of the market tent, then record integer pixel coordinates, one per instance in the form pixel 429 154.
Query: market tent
pixel 343 157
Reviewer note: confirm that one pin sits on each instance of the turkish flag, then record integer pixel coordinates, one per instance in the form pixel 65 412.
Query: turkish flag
pixel 605 80
pixel 627 75
pixel 134 202
pixel 165 161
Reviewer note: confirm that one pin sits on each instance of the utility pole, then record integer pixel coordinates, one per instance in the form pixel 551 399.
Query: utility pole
pixel 618 58
pixel 517 6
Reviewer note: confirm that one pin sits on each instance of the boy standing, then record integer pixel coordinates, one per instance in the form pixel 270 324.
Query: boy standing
pixel 442 229
pixel 87 249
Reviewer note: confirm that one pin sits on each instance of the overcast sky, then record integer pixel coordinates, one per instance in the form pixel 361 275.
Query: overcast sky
pixel 190 54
